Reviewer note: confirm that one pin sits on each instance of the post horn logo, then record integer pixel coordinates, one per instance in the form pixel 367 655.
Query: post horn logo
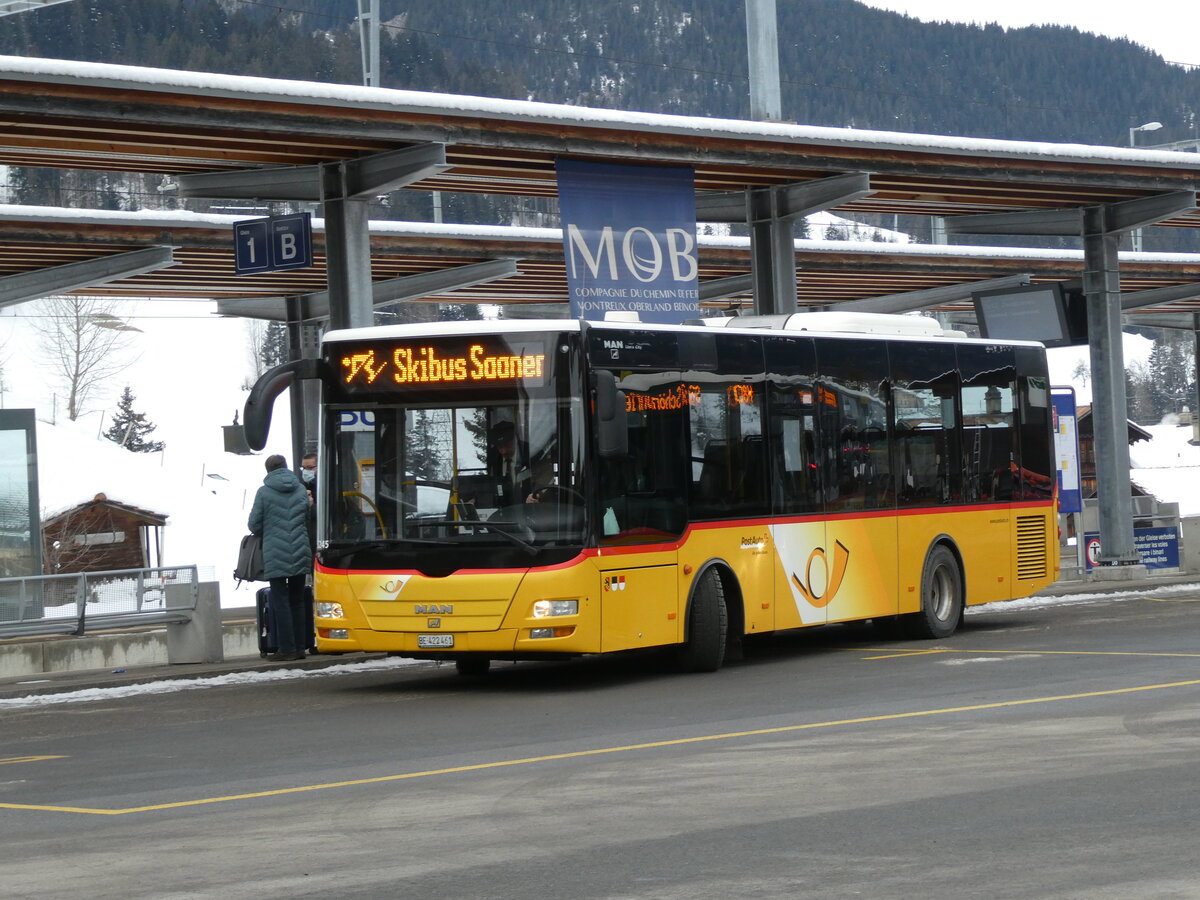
pixel 832 578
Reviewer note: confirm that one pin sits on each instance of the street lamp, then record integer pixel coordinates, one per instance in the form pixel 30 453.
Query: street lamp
pixel 1149 126
pixel 1135 236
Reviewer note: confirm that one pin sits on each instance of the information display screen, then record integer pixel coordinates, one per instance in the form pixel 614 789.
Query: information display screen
pixel 389 365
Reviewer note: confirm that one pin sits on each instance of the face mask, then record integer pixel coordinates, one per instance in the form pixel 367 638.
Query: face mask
pixel 308 475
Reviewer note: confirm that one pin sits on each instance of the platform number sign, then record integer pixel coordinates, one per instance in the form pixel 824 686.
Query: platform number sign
pixel 273 243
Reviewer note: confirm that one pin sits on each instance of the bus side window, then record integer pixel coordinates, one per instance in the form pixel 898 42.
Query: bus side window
pixel 853 399
pixel 727 452
pixel 794 481
pixel 989 451
pixel 1037 468
pixel 643 495
pixel 925 394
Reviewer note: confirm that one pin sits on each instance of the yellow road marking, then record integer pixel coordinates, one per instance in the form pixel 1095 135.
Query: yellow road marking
pixel 902 653
pixel 600 751
pixel 980 652
pixel 1175 599
pixel 6 761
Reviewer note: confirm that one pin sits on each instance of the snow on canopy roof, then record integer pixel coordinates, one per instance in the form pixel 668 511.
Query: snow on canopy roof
pixel 451 231
pixel 19 68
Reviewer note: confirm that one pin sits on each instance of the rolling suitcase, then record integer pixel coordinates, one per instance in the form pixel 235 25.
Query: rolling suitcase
pixel 262 618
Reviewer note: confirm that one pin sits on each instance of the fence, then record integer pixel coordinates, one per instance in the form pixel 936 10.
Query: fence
pixel 94 601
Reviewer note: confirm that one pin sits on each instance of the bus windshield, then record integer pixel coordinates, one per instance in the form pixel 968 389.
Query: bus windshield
pixel 499 471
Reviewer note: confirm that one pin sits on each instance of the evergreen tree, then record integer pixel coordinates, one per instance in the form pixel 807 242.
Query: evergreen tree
pixel 426 443
pixel 129 428
pixel 1170 373
pixel 1139 400
pixel 274 345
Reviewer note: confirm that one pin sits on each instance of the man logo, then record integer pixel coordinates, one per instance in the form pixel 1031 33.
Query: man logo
pixel 433 623
pixel 433 609
pixel 818 594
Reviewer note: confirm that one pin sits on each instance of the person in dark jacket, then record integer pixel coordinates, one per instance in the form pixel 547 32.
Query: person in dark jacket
pixel 281 511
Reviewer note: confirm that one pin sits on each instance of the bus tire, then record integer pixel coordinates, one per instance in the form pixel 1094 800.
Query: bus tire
pixel 472 666
pixel 707 625
pixel 941 596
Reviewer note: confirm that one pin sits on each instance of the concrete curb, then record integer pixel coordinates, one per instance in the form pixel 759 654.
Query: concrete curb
pixel 104 652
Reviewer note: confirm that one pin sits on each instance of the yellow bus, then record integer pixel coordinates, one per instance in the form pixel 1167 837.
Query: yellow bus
pixel 524 490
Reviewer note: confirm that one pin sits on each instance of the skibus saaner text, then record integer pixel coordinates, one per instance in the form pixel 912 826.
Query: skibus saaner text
pixel 526 490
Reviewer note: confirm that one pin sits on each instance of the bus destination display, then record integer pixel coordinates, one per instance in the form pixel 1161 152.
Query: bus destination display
pixel 387 366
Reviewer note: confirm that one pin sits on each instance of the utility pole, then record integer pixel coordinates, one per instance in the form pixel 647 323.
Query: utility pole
pixel 368 28
pixel 762 51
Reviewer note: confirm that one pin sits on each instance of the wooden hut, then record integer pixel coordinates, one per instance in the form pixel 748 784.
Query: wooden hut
pixel 1087 451
pixel 102 535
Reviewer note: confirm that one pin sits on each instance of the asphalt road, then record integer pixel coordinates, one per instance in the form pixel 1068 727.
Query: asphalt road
pixel 1039 753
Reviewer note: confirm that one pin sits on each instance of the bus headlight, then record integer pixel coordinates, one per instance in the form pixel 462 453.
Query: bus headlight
pixel 545 608
pixel 330 611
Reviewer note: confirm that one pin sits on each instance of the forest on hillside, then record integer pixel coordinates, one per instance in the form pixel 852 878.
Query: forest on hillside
pixel 842 63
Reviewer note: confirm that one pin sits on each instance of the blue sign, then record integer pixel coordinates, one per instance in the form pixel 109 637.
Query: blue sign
pixel 629 240
pixel 1066 449
pixel 273 244
pixel 1157 548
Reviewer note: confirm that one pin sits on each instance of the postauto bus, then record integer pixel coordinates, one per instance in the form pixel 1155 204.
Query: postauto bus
pixel 535 489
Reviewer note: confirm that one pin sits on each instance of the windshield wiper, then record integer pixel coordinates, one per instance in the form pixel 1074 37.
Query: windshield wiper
pixel 390 544
pixel 491 526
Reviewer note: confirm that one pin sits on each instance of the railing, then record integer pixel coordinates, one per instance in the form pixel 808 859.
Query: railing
pixel 95 601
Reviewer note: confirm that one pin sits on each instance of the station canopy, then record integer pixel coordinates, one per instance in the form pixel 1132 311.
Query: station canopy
pixel 103 117
pixel 832 272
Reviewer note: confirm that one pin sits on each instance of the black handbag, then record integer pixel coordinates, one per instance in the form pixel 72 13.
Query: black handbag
pixel 250 559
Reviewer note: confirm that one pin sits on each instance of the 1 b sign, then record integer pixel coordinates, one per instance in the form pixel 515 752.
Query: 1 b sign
pixel 273 243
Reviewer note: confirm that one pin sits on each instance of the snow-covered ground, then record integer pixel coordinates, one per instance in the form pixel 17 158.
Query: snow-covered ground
pixel 187 379
pixel 175 685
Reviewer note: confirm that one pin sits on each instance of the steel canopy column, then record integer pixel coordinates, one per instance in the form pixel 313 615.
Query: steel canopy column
pixel 295 390
pixel 769 212
pixel 772 254
pixel 1100 227
pixel 347 252
pixel 1102 286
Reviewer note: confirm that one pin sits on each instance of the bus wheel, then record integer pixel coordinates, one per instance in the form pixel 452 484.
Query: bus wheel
pixel 472 666
pixel 941 596
pixel 707 624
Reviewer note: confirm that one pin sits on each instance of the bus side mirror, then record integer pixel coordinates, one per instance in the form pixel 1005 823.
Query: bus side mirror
pixel 256 415
pixel 612 429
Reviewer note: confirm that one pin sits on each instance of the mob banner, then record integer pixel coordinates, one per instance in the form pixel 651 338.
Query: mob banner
pixel 629 240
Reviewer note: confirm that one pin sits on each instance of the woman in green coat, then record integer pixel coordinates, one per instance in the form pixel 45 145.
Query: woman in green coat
pixel 281 512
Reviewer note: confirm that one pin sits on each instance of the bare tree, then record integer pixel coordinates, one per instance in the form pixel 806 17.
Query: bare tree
pixel 85 343
pixel 266 345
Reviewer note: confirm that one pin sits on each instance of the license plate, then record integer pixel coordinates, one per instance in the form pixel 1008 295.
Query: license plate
pixel 435 641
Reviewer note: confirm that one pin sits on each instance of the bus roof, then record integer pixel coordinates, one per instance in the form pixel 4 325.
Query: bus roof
pixel 825 324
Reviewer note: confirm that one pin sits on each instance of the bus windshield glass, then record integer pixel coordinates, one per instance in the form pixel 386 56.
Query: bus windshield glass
pixel 421 468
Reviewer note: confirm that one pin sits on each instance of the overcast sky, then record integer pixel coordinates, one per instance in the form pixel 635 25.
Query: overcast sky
pixel 1168 27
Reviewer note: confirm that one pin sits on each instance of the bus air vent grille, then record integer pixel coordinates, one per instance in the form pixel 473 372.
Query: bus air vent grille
pixel 1031 547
